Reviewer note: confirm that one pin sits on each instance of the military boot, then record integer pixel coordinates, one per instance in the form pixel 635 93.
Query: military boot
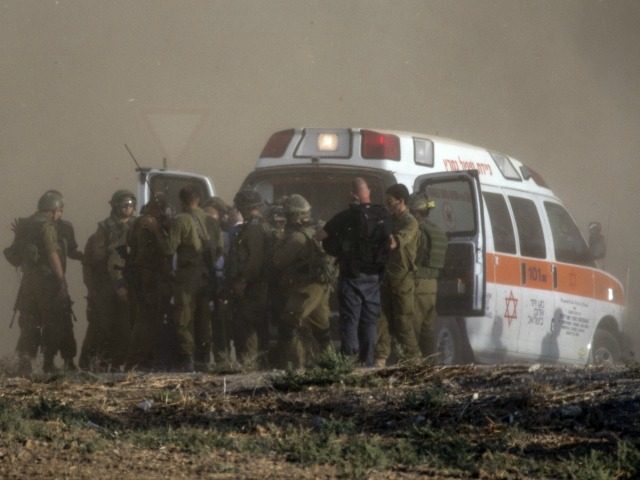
pixel 69 365
pixel 48 366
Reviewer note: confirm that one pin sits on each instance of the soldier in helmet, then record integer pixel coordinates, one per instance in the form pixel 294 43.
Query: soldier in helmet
pixel 189 241
pixel 247 278
pixel 43 298
pixel 305 282
pixel 109 330
pixel 148 270
pixel 432 248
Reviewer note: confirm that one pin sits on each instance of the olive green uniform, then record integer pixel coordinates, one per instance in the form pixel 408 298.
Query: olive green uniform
pixel 42 302
pixel 432 247
pixel 247 267
pixel 149 289
pixel 306 298
pixel 188 240
pixel 109 329
pixel 397 292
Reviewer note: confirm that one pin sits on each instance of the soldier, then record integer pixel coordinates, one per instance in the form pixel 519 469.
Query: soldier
pixel 305 279
pixel 359 238
pixel 432 248
pixel 109 330
pixel 147 269
pixel 43 299
pixel 398 286
pixel 247 278
pixel 218 212
pixel 189 241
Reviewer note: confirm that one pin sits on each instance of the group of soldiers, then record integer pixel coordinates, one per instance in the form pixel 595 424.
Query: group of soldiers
pixel 245 285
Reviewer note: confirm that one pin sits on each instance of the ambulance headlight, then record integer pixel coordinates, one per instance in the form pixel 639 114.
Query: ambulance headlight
pixel 327 142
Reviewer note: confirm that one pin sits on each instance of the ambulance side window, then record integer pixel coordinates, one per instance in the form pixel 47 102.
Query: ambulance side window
pixel 569 245
pixel 529 227
pixel 503 237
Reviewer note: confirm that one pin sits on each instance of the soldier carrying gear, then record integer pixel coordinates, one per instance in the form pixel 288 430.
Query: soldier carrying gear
pixel 247 274
pixel 430 257
pixel 298 259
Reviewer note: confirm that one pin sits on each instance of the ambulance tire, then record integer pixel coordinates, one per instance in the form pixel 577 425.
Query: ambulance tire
pixel 452 346
pixel 605 348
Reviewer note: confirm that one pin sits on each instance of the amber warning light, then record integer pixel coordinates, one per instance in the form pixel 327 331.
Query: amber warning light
pixel 327 142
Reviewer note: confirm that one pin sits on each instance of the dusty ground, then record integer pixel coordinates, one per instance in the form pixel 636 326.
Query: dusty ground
pixel 415 421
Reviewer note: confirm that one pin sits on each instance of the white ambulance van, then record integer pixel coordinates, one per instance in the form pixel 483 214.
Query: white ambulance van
pixel 520 283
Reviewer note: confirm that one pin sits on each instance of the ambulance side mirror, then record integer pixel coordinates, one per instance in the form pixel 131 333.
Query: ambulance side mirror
pixel 597 243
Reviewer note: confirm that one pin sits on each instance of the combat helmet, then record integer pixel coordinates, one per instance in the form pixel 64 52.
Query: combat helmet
pixel 297 207
pixel 247 200
pixel 119 196
pixel 50 200
pixel 419 201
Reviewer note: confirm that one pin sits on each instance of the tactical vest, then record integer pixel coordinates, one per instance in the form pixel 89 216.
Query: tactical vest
pixel 30 243
pixel 432 248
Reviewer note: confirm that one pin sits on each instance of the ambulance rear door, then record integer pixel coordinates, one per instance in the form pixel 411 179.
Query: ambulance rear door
pixel 169 183
pixel 459 212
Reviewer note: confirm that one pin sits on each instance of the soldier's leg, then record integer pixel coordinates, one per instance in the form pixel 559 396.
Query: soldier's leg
pixel 28 341
pixel 426 314
pixel 369 315
pixel 183 317
pixel 319 319
pixel 350 302
pixel 252 319
pixel 202 329
pixel 221 330
pixel 383 344
pixel 402 320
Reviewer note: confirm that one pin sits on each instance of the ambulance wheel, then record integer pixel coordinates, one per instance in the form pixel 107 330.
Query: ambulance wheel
pixel 605 348
pixel 451 344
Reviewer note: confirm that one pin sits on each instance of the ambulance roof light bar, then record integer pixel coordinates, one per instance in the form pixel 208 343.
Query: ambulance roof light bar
pixel 277 144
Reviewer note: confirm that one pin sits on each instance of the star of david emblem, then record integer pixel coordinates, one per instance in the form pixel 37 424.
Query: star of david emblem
pixel 511 312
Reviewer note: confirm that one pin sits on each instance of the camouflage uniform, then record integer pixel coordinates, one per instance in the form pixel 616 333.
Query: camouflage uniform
pixel 188 240
pixel 397 292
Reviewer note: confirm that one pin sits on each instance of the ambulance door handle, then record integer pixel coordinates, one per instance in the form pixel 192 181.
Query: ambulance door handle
pixel 554 276
pixel 523 273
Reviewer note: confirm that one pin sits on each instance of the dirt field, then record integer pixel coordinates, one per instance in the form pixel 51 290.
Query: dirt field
pixel 414 421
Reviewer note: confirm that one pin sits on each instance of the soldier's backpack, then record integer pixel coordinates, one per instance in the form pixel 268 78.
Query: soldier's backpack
pixel 24 251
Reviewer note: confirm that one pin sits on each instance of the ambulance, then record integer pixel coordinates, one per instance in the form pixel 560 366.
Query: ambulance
pixel 520 283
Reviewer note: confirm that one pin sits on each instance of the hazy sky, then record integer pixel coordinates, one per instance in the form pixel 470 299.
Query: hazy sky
pixel 204 83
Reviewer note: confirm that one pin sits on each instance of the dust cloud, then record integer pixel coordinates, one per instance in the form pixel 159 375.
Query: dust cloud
pixel 204 83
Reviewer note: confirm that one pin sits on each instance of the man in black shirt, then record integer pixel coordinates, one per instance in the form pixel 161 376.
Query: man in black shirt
pixel 359 237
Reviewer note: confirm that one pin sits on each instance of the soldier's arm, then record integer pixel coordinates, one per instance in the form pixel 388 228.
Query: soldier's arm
pixel 176 233
pixel 53 251
pixel 407 232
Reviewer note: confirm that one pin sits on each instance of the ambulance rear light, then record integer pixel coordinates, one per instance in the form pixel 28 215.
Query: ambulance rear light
pixel 277 144
pixel 324 143
pixel 379 146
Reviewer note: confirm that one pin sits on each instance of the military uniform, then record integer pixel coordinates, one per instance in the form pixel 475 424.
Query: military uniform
pixel 109 330
pixel 188 239
pixel 306 296
pixel 148 269
pixel 432 247
pixel 397 292
pixel 247 277
pixel 43 302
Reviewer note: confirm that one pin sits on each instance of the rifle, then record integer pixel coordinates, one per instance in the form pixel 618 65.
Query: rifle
pixel 16 306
